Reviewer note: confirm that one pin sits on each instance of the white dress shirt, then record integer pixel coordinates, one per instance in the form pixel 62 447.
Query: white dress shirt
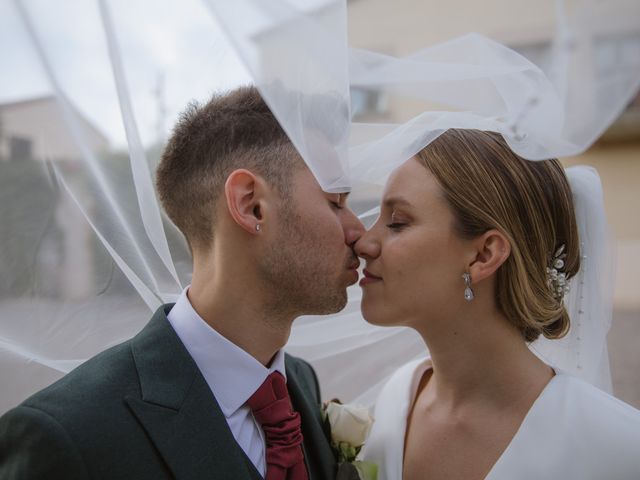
pixel 231 373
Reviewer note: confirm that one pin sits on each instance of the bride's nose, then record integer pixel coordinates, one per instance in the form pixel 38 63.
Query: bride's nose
pixel 367 245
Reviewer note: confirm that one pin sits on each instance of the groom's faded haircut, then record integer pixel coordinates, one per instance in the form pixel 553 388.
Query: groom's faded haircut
pixel 232 130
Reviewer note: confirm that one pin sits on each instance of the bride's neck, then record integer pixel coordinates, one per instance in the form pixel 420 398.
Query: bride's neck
pixel 483 360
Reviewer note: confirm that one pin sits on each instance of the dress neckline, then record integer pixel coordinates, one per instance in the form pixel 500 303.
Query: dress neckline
pixel 425 364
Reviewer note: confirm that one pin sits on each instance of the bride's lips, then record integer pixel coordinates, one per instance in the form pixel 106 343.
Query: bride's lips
pixel 369 278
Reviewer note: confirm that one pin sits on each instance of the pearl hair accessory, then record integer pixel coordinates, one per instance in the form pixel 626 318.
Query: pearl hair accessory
pixel 556 278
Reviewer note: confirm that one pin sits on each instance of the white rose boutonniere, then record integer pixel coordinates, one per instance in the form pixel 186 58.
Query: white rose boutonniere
pixel 349 426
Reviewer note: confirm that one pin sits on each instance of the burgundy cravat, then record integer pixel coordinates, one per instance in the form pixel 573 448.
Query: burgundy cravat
pixel 272 409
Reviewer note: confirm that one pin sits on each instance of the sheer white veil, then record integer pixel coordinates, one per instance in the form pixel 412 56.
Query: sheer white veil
pixel 583 351
pixel 87 254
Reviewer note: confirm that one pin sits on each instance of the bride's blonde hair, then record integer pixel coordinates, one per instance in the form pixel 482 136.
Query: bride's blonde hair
pixel 490 187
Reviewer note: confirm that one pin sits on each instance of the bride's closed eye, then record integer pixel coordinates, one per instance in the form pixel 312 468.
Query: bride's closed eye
pixel 397 223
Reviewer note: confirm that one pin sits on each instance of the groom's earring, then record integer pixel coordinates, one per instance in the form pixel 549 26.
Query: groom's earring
pixel 468 293
pixel 257 227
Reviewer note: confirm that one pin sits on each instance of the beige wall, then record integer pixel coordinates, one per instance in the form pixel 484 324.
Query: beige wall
pixel 400 27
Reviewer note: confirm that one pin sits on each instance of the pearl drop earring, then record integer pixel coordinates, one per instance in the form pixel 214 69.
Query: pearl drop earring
pixel 468 293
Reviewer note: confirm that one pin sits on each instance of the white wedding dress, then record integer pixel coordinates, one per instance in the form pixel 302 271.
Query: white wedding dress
pixel 572 431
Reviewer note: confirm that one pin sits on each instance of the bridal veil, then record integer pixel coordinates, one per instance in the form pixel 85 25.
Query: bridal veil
pixel 87 255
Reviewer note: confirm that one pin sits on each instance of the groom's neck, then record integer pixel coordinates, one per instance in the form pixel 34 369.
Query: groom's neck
pixel 235 308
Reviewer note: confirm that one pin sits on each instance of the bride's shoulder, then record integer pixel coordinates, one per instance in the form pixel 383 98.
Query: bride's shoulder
pixel 595 407
pixel 386 441
pixel 400 383
pixel 411 368
pixel 591 396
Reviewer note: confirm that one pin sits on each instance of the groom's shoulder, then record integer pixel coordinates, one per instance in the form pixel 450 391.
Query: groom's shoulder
pixel 63 418
pixel 98 383
pixel 94 388
pixel 81 421
pixel 108 368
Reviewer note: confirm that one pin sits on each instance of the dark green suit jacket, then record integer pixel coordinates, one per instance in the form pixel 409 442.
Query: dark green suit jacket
pixel 142 410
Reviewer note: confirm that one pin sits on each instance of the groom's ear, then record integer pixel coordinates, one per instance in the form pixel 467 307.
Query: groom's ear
pixel 245 196
pixel 491 249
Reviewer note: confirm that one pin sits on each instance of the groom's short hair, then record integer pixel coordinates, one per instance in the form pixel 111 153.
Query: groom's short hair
pixel 230 131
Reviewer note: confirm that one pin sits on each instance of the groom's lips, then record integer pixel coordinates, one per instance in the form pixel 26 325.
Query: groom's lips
pixel 353 269
pixel 369 278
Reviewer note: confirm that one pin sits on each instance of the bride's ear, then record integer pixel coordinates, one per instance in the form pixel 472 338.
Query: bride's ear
pixel 492 249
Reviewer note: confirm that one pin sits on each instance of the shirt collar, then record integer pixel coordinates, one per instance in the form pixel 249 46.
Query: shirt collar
pixel 232 374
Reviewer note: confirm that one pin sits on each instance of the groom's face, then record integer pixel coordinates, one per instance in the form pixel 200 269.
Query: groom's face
pixel 310 261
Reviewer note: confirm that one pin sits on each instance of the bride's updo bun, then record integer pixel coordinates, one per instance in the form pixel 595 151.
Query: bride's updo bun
pixel 488 186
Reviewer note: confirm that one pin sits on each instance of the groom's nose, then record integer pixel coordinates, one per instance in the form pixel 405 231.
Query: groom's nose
pixel 353 228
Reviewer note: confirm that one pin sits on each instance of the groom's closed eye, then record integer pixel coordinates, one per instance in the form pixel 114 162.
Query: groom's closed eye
pixel 338 200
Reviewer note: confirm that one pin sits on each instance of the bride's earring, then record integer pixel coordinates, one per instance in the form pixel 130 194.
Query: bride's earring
pixel 468 293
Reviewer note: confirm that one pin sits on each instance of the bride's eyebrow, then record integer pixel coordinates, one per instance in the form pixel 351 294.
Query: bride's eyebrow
pixel 391 202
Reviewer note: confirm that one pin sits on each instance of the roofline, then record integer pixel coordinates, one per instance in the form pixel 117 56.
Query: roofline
pixel 53 98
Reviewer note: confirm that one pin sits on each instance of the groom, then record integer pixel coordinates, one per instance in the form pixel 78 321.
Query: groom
pixel 204 390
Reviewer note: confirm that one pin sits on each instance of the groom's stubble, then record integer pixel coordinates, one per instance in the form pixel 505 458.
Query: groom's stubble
pixel 301 279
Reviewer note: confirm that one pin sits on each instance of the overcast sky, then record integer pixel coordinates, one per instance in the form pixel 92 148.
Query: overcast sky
pixel 179 41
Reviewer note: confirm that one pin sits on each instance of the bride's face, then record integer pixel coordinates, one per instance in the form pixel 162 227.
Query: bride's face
pixel 414 258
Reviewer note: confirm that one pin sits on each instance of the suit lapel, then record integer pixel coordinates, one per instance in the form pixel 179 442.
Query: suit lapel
pixel 318 455
pixel 178 410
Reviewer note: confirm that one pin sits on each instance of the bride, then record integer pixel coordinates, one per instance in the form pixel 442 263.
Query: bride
pixel 475 249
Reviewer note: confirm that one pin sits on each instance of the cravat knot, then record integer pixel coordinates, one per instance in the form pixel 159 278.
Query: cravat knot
pixel 272 409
